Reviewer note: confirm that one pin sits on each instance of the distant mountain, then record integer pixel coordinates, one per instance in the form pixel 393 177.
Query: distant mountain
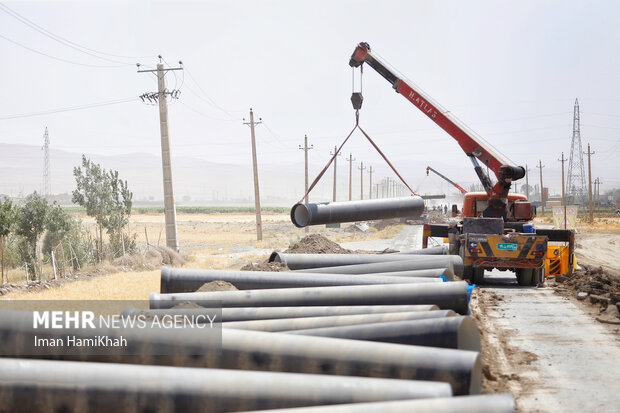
pixel 197 181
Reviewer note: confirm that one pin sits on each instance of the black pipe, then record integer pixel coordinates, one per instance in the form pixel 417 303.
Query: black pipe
pixel 394 268
pixel 180 280
pixel 449 296
pixel 447 332
pixel 64 386
pixel 352 211
pixel 307 261
pixel 439 250
pixel 489 403
pixel 269 313
pixel 288 324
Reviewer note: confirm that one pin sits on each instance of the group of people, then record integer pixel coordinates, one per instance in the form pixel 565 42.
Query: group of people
pixel 441 208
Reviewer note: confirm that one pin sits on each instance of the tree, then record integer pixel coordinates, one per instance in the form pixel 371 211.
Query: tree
pixel 59 224
pixel 30 224
pixel 7 220
pixel 105 197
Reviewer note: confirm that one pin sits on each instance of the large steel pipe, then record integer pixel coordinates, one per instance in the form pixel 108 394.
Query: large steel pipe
pixel 450 296
pixel 59 386
pixel 306 261
pixel 393 268
pixel 288 324
pixel 176 280
pixel 448 332
pixel 491 403
pixel 256 350
pixel 351 211
pixel 268 313
pixel 438 250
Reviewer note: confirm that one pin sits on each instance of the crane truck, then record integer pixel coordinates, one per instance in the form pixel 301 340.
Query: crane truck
pixel 496 231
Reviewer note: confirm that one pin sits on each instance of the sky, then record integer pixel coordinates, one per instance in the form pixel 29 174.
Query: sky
pixel 509 70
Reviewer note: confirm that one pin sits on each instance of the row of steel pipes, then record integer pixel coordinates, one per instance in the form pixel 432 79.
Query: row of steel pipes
pixel 334 333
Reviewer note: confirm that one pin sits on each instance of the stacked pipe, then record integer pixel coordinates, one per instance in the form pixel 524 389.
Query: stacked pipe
pixel 336 333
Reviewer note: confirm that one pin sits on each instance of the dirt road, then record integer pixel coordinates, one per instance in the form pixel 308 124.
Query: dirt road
pixel 544 348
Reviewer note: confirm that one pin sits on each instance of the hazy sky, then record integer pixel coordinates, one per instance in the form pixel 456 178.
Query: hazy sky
pixel 509 70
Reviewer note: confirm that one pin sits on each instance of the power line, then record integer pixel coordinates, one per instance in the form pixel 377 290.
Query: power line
pixel 61 39
pixel 68 109
pixel 210 100
pixel 60 59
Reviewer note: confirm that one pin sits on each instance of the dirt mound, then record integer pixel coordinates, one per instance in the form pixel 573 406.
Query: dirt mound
pixel 385 223
pixel 593 285
pixel 265 266
pixel 316 244
pixel 436 217
pixel 165 256
pixel 216 286
pixel 187 304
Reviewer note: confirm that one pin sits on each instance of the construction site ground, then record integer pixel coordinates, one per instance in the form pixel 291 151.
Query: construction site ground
pixel 540 344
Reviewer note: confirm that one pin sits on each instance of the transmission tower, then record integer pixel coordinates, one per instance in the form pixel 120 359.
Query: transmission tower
pixel 46 165
pixel 576 182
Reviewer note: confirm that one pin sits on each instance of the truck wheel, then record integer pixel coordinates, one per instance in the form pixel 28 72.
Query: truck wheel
pixel 478 275
pixel 538 276
pixel 468 274
pixel 524 276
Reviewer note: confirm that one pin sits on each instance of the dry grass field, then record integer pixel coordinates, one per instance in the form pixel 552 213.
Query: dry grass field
pixel 214 241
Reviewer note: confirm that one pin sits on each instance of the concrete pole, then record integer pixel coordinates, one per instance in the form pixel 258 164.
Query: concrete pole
pixel 542 189
pixel 170 211
pixel 335 170
pixel 527 183
pixel 563 190
pixel 259 225
pixel 361 168
pixel 590 153
pixel 305 148
pixel 370 171
pixel 350 175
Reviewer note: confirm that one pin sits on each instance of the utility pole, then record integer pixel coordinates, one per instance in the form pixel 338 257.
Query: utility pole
pixel 170 212
pixel 370 171
pixel 597 192
pixel 306 148
pixel 350 174
pixel 335 168
pixel 361 168
pixel 590 153
pixel 46 166
pixel 259 225
pixel 563 191
pixel 527 183
pixel 542 189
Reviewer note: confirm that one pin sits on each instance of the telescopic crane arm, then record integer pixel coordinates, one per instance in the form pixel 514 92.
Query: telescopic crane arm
pixel 459 187
pixel 471 145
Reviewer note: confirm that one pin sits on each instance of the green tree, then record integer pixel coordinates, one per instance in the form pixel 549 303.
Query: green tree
pixel 30 224
pixel 7 220
pixel 105 197
pixel 59 225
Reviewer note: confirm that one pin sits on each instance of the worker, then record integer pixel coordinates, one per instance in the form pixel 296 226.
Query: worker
pixel 453 237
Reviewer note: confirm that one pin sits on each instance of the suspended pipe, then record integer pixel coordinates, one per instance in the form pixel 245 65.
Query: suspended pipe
pixel 448 332
pixel 449 296
pixel 438 250
pixel 491 403
pixel 288 324
pixel 256 350
pixel 177 280
pixel 62 386
pixel 306 261
pixel 352 211
pixel 268 313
